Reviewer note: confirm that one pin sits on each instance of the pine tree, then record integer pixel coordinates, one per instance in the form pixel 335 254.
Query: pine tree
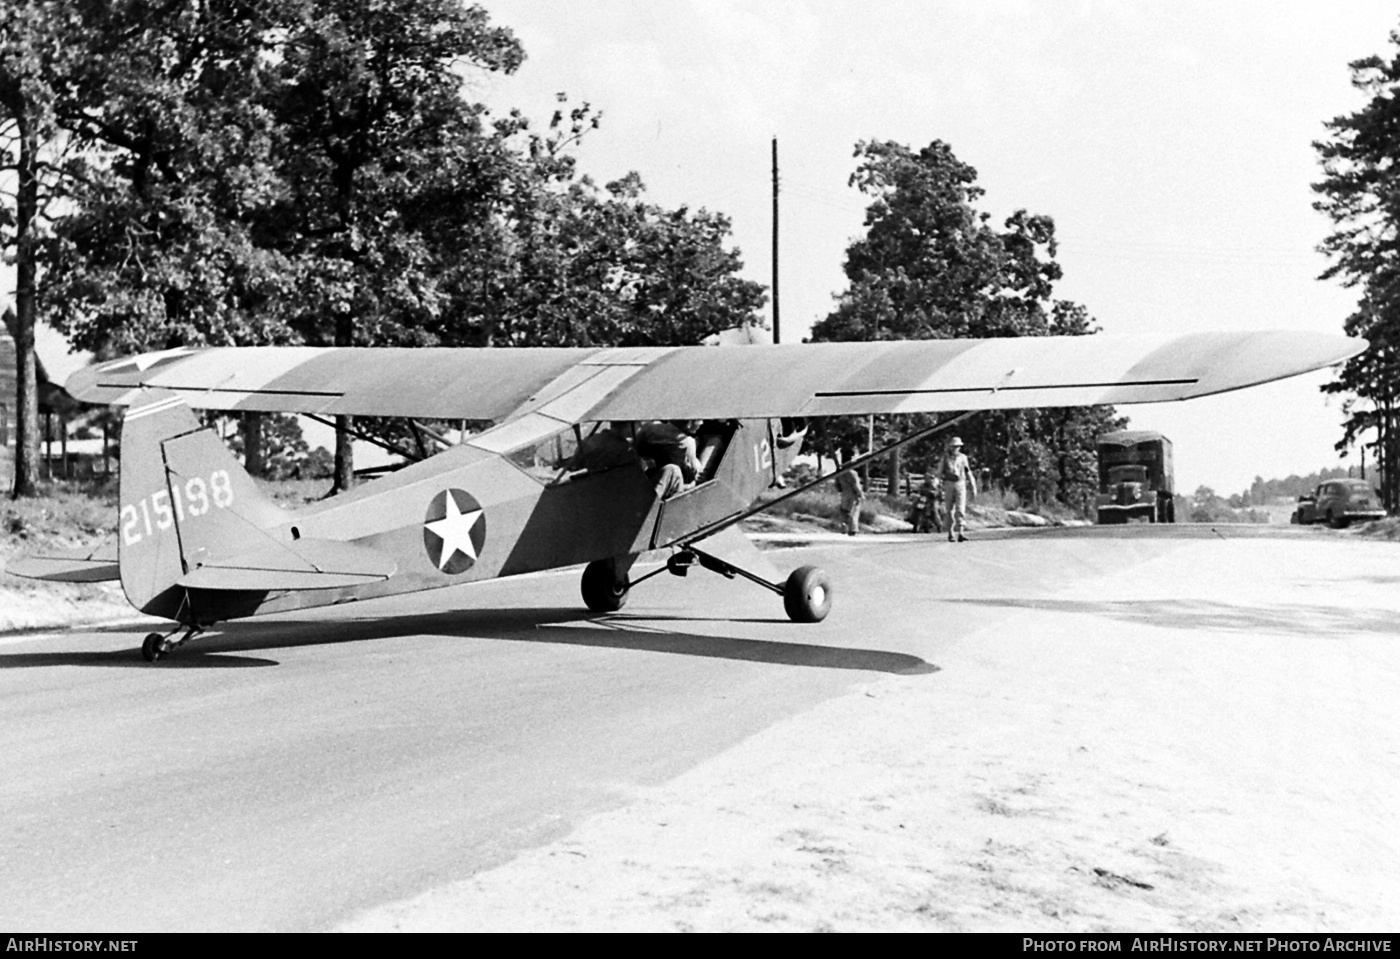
pixel 1360 193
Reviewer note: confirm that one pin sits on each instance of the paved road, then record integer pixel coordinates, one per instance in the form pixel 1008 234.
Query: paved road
pixel 289 772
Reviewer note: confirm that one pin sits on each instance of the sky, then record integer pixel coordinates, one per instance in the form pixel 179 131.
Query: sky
pixel 1170 142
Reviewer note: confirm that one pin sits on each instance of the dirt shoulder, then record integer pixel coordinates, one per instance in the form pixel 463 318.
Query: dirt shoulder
pixel 62 519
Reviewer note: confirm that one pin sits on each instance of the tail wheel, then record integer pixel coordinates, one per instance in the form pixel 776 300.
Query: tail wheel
pixel 807 595
pixel 602 593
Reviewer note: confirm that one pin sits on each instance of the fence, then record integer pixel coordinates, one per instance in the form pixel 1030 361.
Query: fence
pixel 880 485
pixel 908 482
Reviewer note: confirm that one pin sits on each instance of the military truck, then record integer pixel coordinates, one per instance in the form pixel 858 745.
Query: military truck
pixel 1135 477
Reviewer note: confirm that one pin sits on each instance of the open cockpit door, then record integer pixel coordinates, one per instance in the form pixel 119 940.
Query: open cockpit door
pixel 738 464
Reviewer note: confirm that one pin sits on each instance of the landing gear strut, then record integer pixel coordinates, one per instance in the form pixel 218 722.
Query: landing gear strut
pixel 156 646
pixel 806 594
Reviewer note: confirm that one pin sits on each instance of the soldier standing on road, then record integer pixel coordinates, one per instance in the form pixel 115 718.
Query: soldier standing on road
pixel 958 480
pixel 851 496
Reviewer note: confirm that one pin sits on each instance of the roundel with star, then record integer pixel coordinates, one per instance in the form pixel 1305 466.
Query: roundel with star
pixel 454 531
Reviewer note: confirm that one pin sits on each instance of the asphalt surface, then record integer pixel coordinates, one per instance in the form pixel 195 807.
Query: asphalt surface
pixel 290 772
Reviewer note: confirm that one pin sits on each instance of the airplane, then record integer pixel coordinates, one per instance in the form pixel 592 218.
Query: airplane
pixel 560 478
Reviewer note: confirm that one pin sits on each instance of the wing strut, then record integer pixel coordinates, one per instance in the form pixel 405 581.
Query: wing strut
pixel 807 592
pixel 419 432
pixel 394 448
pixel 705 532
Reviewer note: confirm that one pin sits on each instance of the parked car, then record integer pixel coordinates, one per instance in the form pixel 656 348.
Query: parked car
pixel 1304 511
pixel 1339 502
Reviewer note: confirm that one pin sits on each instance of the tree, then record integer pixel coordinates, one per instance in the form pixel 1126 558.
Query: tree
pixel 285 450
pixel 154 249
pixel 36 55
pixel 603 267
pixel 368 96
pixel 1360 194
pixel 256 173
pixel 931 266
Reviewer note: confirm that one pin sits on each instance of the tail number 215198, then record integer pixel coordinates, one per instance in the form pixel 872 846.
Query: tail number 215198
pixel 163 508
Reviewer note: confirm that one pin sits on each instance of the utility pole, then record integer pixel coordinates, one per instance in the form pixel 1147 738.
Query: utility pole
pixel 776 337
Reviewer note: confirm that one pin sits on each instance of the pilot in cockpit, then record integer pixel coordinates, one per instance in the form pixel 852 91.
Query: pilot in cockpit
pixel 671 447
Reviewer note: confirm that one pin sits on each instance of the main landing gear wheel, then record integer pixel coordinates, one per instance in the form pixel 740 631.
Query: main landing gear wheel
pixel 807 595
pixel 601 591
pixel 153 647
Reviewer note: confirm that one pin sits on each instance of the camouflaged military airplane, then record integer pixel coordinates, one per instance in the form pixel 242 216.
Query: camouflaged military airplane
pixel 198 543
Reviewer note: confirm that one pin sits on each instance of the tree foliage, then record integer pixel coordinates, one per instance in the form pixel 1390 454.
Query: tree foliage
pixel 1262 492
pixel 286 454
pixel 1205 506
pixel 177 158
pixel 930 266
pixel 1360 194
pixel 312 172
pixel 605 267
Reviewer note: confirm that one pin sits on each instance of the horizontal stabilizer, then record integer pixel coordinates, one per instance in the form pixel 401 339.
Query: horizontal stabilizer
pixel 86 565
pixel 294 565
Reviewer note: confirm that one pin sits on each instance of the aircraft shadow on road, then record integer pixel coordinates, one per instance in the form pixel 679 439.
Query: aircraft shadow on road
pixel 625 633
pixel 128 659
pixel 1306 620
pixel 234 641
pixel 1376 580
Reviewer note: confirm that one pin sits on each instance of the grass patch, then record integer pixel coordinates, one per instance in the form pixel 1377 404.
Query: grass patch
pixel 294 493
pixel 64 514
pixel 823 503
pixel 990 508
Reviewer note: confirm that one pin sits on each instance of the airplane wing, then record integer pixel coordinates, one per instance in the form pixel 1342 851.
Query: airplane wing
pixel 696 382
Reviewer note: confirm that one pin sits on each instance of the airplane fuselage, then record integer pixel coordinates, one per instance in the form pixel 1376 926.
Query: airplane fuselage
pixel 488 508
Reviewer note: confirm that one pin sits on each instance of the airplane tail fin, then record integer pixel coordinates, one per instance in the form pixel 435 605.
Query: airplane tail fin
pixel 198 540
pixel 183 497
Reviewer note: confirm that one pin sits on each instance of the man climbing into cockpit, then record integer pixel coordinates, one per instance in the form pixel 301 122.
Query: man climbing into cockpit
pixel 671 446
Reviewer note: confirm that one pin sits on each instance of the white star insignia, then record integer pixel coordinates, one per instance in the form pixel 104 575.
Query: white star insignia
pixel 144 362
pixel 455 531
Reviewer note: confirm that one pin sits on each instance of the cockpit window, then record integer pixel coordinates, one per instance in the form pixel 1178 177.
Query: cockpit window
pixel 551 460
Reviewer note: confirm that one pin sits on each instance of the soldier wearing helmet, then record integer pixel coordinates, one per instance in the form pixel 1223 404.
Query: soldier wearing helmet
pixel 958 479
